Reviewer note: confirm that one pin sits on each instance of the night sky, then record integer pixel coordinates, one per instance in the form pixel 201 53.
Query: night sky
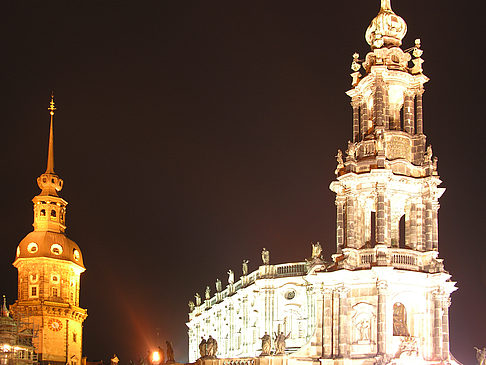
pixel 191 134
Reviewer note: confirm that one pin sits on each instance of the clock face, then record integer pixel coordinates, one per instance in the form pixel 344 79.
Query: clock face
pixel 55 325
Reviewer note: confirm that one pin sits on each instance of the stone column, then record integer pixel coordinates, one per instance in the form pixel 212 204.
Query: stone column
pixel 382 287
pixel 355 105
pixel 340 223
pixel 335 323
pixel 350 221
pixel 380 215
pixel 428 225
pixel 408 113
pixel 327 324
pixel 419 212
pixel 420 120
pixel 315 307
pixel 437 333
pixel 435 226
pixel 364 119
pixel 387 107
pixel 446 302
pixel 411 226
pixel 378 103
pixel 343 323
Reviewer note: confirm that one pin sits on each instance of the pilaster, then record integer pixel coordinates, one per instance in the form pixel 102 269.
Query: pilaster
pixel 382 287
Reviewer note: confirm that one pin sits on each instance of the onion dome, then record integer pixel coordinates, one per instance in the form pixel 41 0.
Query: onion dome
pixel 50 245
pixel 387 29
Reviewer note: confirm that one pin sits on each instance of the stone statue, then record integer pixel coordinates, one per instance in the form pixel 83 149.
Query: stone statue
pixel 207 293
pixel 114 360
pixel 211 347
pixel 481 355
pixel 231 277
pixel 198 299
pixel 340 162
pixel 351 151
pixel 265 256
pixel 363 327
pixel 428 155
pixel 435 161
pixel 219 286
pixel 202 348
pixel 161 355
pixel 339 158
pixel 170 352
pixel 380 143
pixel 400 320
pixel 266 345
pixel 316 250
pixel 280 343
pixel 191 306
pixel 245 267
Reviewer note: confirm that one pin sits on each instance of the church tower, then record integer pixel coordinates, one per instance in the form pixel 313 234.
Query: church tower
pixel 387 196
pixel 49 267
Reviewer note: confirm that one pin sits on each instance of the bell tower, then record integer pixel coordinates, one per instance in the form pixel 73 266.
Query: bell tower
pixel 49 268
pixel 387 197
pixel 387 184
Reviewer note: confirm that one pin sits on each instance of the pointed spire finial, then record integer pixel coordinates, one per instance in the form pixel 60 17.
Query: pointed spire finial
pixel 4 312
pixel 386 5
pixel 50 153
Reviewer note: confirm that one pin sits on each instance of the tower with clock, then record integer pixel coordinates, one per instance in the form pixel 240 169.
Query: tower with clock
pixel 49 268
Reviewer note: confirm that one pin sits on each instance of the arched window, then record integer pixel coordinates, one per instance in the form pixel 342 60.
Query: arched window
pixel 53 213
pixel 400 320
pixel 43 212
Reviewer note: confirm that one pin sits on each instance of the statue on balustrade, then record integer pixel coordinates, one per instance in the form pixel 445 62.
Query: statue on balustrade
pixel 481 355
pixel 265 256
pixel 231 277
pixel 245 267
pixel 219 286
pixel 207 293
pixel 266 345
pixel 198 299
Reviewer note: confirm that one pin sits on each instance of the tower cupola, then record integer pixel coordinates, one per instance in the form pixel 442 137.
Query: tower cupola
pixel 49 208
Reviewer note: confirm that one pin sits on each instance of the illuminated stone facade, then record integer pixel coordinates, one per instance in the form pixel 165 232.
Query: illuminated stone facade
pixel 385 297
pixel 49 267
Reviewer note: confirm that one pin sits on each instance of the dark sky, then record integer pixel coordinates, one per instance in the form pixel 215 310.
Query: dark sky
pixel 190 134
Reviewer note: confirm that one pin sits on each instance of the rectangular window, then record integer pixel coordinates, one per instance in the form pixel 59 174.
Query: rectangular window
pixel 33 291
pixel 74 337
pixel 54 292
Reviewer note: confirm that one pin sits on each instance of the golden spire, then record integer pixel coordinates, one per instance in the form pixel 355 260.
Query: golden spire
pixel 50 154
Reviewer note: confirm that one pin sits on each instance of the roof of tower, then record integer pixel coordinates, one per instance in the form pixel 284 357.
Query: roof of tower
pixel 387 29
pixel 50 245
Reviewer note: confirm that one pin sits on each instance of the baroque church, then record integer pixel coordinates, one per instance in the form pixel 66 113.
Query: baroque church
pixel 385 297
pixel 49 267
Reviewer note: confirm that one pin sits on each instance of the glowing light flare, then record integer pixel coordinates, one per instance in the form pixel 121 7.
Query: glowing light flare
pixel 155 357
